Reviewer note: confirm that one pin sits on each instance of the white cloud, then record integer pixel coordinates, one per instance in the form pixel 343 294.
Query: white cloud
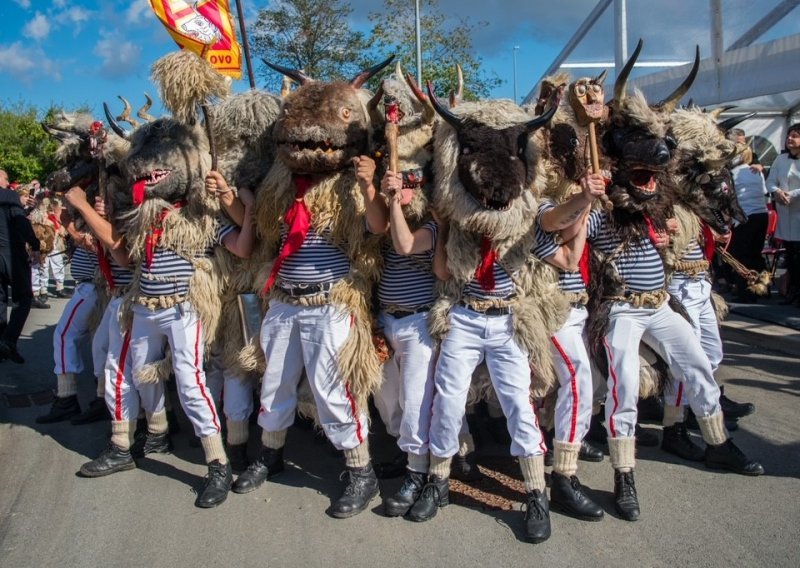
pixel 119 58
pixel 73 18
pixel 138 10
pixel 59 3
pixel 24 65
pixel 24 3
pixel 37 28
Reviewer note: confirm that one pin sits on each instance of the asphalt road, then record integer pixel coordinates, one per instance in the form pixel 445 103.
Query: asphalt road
pixel 146 517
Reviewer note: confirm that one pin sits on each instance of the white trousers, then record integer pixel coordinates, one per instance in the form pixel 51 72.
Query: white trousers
pixel 230 392
pixel 124 396
pixel 56 263
pixel 72 329
pixel 39 278
pixel 695 295
pixel 673 339
pixel 179 327
pixel 294 337
pixel 574 370
pixel 473 338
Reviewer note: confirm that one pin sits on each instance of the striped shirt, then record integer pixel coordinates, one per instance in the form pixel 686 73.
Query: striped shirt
pixel 695 253
pixel 546 247
pixel 639 264
pixel 83 265
pixel 122 275
pixel 503 286
pixel 408 280
pixel 316 261
pixel 169 273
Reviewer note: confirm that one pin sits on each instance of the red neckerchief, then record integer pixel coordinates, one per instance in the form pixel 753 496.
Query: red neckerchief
pixel 583 263
pixel 54 220
pixel 485 271
pixel 154 234
pixel 138 192
pixel 105 266
pixel 651 231
pixel 298 219
pixel 709 243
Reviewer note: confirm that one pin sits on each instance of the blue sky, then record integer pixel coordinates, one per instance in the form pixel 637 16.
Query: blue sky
pixel 83 52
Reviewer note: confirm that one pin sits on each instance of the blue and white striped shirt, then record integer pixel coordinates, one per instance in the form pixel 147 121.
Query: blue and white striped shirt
pixel 315 262
pixel 639 264
pixel 122 275
pixel 169 273
pixel 405 281
pixel 503 286
pixel 83 265
pixel 695 253
pixel 546 247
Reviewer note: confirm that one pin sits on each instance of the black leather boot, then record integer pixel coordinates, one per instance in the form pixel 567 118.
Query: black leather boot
pixel 237 453
pixel 63 408
pixel 97 412
pixel 589 453
pixel 362 487
pixel 400 503
pixel 151 443
pixel 676 441
pixel 645 438
pixel 734 410
pixel 465 468
pixel 216 485
pixel 537 517
pixel 650 409
pixel 112 460
pixel 567 496
pixel 435 494
pixel 729 456
pixel 268 464
pixel 626 501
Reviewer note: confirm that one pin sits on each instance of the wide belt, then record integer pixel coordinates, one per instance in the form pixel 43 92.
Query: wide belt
pixel 489 311
pixel 302 290
pixel 399 313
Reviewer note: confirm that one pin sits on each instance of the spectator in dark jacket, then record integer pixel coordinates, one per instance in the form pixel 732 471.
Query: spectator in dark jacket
pixel 15 273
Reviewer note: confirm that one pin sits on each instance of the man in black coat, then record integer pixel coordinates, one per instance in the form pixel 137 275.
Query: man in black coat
pixel 15 272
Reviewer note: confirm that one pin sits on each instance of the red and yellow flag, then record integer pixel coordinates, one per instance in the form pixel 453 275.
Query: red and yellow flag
pixel 205 27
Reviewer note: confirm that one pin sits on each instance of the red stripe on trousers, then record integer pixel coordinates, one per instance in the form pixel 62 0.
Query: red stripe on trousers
pixel 64 332
pixel 680 394
pixel 197 376
pixel 354 410
pixel 573 387
pixel 123 354
pixel 613 389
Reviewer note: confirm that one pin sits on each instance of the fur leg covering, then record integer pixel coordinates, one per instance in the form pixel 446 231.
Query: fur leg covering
pixel 673 415
pixel 533 472
pixel 623 453
pixel 713 429
pixel 214 449
pixel 274 440
pixel 157 422
pixel 238 432
pixel 122 433
pixel 358 456
pixel 565 458
pixel 419 464
pixel 66 385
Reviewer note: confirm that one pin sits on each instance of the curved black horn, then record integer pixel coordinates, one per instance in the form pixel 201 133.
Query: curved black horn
pixel 552 106
pixel 297 76
pixel 729 123
pixel 672 100
pixel 358 81
pixel 622 78
pixel 600 79
pixel 112 122
pixel 448 116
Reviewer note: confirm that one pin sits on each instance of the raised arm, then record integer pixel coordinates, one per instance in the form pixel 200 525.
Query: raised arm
pixel 104 231
pixel 240 242
pixel 567 214
pixel 377 212
pixel 405 242
pixel 218 187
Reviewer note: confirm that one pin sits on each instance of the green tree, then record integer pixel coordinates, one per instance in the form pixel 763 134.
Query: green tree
pixel 443 45
pixel 26 151
pixel 312 35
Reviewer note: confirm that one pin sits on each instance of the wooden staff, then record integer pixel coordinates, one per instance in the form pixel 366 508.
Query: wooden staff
pixel 393 116
pixel 595 156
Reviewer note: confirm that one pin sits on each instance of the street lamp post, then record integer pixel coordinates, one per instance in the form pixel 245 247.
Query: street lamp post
pixel 417 33
pixel 514 51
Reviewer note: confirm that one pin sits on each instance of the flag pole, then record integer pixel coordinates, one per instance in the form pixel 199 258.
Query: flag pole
pixel 246 43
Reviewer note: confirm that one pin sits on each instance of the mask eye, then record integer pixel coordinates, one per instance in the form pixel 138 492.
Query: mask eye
pixel 345 113
pixel 597 89
pixel 580 90
pixel 671 142
pixel 703 179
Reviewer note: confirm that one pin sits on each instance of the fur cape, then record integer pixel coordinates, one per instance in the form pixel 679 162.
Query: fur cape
pixel 538 309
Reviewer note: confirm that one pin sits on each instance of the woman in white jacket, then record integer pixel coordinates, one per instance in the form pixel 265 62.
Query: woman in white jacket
pixel 784 186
